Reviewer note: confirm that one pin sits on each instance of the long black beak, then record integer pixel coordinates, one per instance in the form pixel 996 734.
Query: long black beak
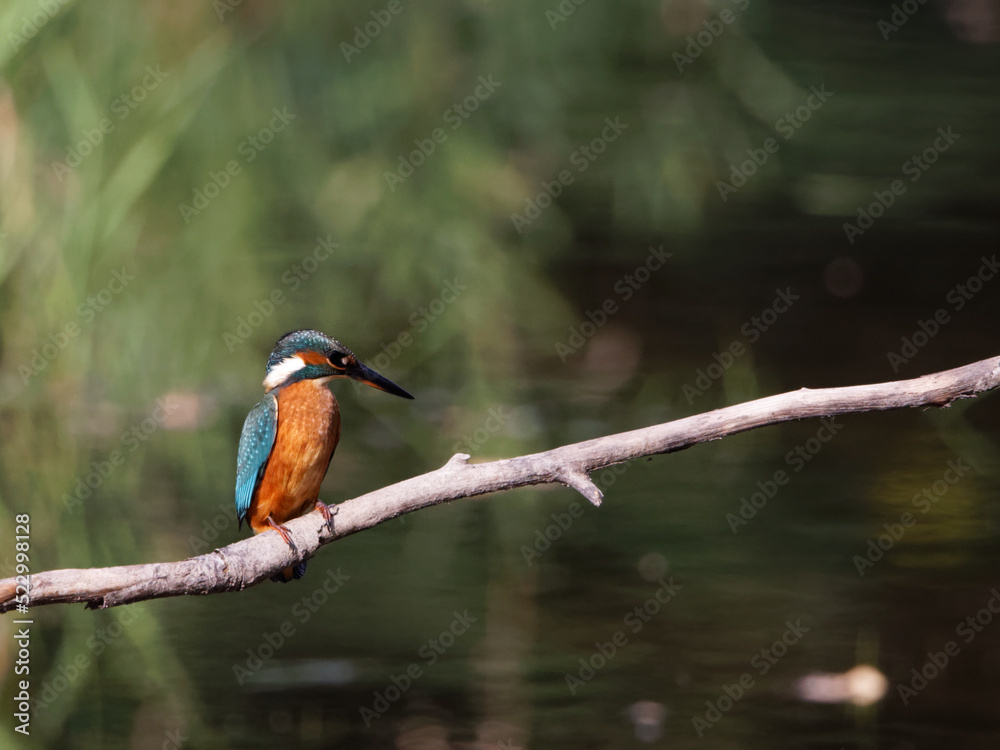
pixel 366 375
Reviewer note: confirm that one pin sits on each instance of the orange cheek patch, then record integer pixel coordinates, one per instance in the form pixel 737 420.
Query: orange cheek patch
pixel 312 358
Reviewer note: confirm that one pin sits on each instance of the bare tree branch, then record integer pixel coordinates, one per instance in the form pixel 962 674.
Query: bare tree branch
pixel 253 560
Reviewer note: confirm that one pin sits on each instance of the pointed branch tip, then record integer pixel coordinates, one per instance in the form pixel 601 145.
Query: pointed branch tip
pixel 582 483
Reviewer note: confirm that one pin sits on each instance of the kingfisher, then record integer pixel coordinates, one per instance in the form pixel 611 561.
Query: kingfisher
pixel 289 438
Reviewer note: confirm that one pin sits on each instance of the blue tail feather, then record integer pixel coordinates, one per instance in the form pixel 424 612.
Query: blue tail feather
pixel 291 573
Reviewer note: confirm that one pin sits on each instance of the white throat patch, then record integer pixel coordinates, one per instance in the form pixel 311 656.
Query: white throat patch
pixel 282 371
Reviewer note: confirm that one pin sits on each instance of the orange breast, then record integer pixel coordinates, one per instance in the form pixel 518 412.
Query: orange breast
pixel 307 434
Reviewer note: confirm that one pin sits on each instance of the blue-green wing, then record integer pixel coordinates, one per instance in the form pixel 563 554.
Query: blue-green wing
pixel 255 448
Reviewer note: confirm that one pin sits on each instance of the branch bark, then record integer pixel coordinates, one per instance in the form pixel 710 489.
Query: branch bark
pixel 253 560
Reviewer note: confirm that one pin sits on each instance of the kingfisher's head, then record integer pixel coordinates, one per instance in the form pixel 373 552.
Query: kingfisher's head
pixel 312 355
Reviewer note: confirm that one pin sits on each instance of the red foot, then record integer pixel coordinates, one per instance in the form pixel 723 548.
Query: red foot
pixel 328 513
pixel 283 531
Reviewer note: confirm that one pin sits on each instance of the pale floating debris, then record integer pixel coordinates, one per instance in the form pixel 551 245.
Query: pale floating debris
pixel 648 718
pixel 862 686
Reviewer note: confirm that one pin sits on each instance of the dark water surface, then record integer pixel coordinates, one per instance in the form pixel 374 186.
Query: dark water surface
pixel 465 625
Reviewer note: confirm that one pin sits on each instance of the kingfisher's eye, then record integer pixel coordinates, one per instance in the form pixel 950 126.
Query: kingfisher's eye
pixel 337 361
